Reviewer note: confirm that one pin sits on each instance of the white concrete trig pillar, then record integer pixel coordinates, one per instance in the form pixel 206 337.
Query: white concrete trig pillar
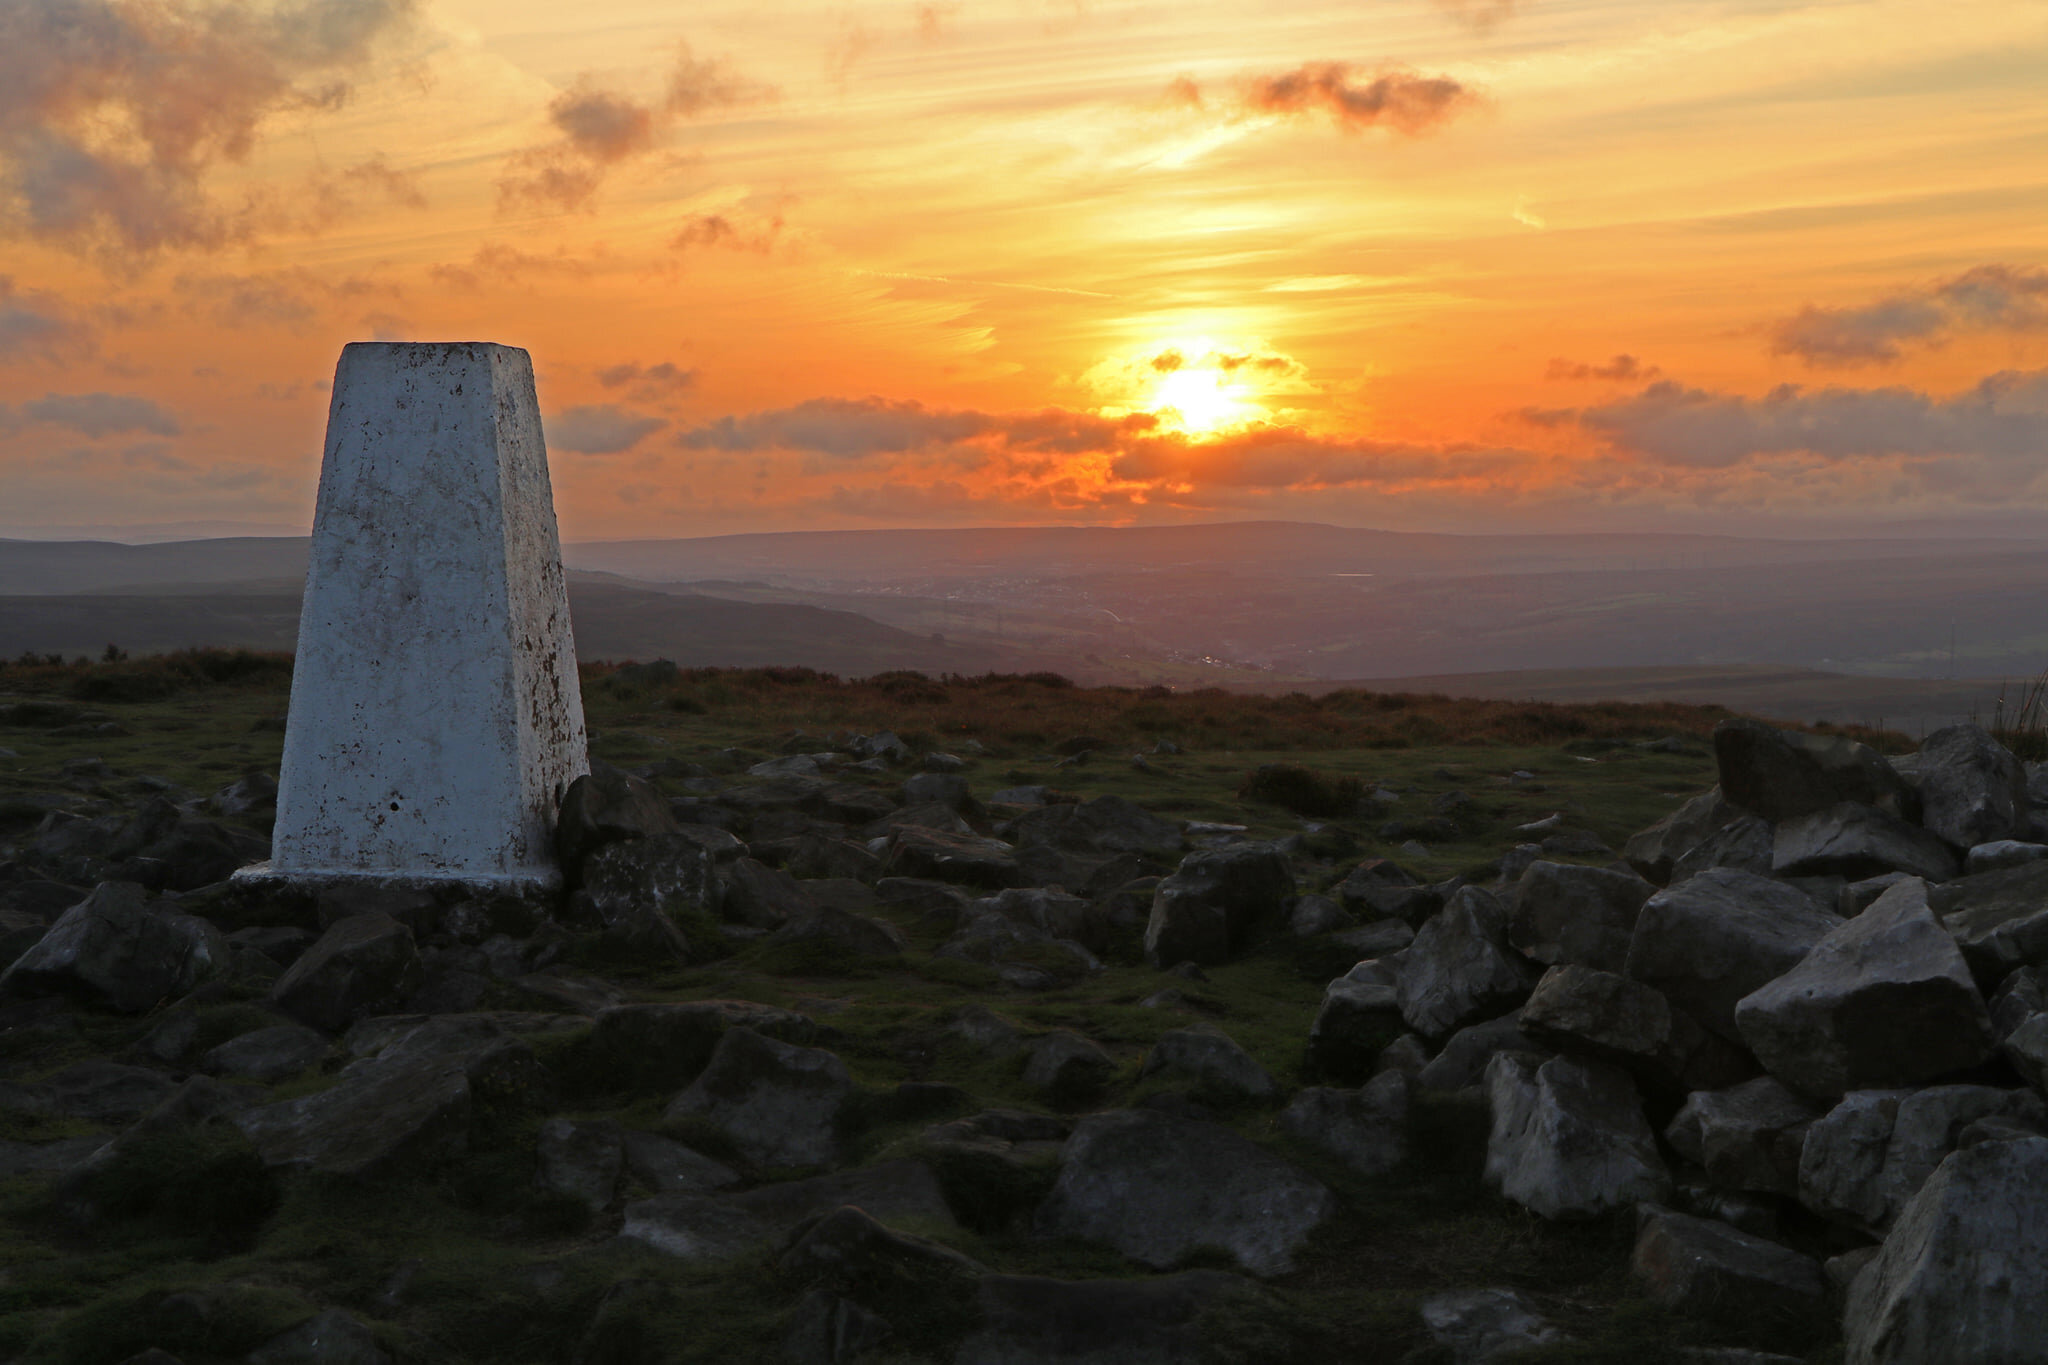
pixel 435 715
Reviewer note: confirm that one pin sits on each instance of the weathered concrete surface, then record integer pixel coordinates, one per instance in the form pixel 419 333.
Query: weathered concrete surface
pixel 435 718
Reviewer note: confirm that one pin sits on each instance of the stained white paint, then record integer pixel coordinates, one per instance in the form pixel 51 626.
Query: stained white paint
pixel 435 718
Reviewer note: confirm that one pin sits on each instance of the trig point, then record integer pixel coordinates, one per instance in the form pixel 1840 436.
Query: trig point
pixel 435 718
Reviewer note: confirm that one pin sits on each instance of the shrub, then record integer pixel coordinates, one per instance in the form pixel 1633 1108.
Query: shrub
pixel 1302 790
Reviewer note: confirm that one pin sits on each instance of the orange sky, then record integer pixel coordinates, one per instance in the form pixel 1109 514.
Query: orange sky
pixel 1402 263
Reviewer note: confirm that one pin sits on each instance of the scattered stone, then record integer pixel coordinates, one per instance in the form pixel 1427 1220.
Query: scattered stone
pixel 608 806
pixel 1482 1326
pixel 1107 824
pixel 1784 774
pixel 1207 910
pixel 267 1055
pixel 329 1337
pixel 1655 851
pixel 1359 1015
pixel 363 965
pixel 1884 1000
pixel 1963 1276
pixel 1746 1137
pixel 1706 1269
pixel 1158 1188
pixel 1855 841
pixel 966 859
pixel 1460 969
pixel 1318 915
pixel 1567 913
pixel 667 1166
pixel 1579 1009
pixel 1467 1053
pixel 1366 1129
pixel 859 935
pixel 1841 1162
pixel 663 873
pixel 1999 919
pixel 2001 854
pixel 580 1159
pixel 1745 843
pixel 826 1329
pixel 1569 1139
pixel 97 1092
pixel 778 1104
pixel 655 1047
pixel 117 949
pixel 1211 1063
pixel 1067 1068
pixel 1716 937
pixel 1380 889
pixel 1972 790
pixel 1162 1320
pixel 707 1228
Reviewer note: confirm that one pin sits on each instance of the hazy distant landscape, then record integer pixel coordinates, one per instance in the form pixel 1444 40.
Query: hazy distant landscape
pixel 1910 632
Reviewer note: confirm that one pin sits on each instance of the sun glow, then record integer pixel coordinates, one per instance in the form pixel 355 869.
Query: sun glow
pixel 1202 401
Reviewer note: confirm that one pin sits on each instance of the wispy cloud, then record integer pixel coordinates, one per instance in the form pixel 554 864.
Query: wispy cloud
pixel 92 414
pixel 600 429
pixel 1354 98
pixel 37 324
pixel 1624 369
pixel 1987 298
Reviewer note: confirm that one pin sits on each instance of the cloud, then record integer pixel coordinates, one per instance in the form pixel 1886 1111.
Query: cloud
pixel 600 429
pixel 1986 298
pixel 34 323
pixel 854 428
pixel 99 414
pixel 2004 417
pixel 1355 100
pixel 1273 457
pixel 720 230
pixel 648 383
pixel 506 265
pixel 1622 369
pixel 602 128
pixel 291 299
pixel 1480 15
pixel 112 112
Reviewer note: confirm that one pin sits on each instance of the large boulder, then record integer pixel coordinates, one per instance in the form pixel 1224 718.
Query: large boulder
pixel 1972 789
pixel 414 1101
pixel 965 859
pixel 1209 1062
pixel 580 1160
pixel 1366 1129
pixel 1066 1068
pixel 777 1104
pixel 1746 1137
pixel 1655 851
pixel 1569 1139
pixel 1707 1269
pixel 1484 1326
pixel 1712 940
pixel 1381 889
pixel 1782 774
pixel 116 948
pixel 1744 842
pixel 708 1228
pixel 1999 919
pixel 669 874
pixel 1360 1015
pixel 1465 1055
pixel 1567 913
pixel 1460 968
pixel 607 806
pixel 1856 841
pixel 1866 1159
pixel 363 965
pixel 1107 824
pixel 1158 1189
pixel 267 1055
pixel 1605 1015
pixel 1883 1000
pixel 1963 1277
pixel 649 1047
pixel 1209 907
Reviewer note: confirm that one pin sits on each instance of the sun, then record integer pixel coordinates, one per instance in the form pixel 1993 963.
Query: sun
pixel 1201 401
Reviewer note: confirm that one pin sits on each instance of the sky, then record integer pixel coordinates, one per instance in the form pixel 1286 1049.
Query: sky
pixel 1740 266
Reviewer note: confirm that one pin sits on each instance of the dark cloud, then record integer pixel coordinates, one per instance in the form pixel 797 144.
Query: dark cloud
pixel 853 428
pixel 113 111
pixel 1986 298
pixel 99 414
pixel 2003 417
pixel 600 128
pixel 1284 457
pixel 1355 99
pixel 1624 369
pixel 648 383
pixel 600 429
pixel 34 323
pixel 292 299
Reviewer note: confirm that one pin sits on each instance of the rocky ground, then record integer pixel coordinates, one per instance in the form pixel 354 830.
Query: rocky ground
pixel 851 1048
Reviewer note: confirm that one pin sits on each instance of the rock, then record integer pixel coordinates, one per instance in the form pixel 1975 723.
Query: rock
pixel 859 935
pixel 1051 911
pixel 849 1250
pixel 1163 1320
pixel 1972 790
pixel 2027 1049
pixel 1655 851
pixel 1569 1139
pixel 1157 1189
pixel 267 1055
pixel 1481 1326
pixel 761 896
pixel 97 1092
pixel 663 873
pixel 1744 843
pixel 828 1330
pixel 1567 913
pixel 1963 1276
pixel 1467 1053
pixel 254 794
pixel 581 1160
pixel 1713 939
pixel 1107 824
pixel 1318 915
pixel 116 949
pixel 666 1166
pixel 657 1047
pixel 1380 889
pixel 1601 1014
pixel 1871 1154
pixel 1208 909
pixel 1360 1014
pixel 1747 1137
pixel 985 1030
pixel 1855 841
pixel 707 1228
pixel 329 1337
pixel 778 1104
pixel 1856 897
pixel 946 789
pixel 1366 1129
pixel 1706 1269
pixel 363 965
pixel 812 856
pixel 1460 969
pixel 1211 1064
pixel 2021 995
pixel 2000 854
pixel 1783 774
pixel 1883 1000
pixel 411 1102
pixel 607 806
pixel 1067 1068
pixel 1999 919
pixel 966 859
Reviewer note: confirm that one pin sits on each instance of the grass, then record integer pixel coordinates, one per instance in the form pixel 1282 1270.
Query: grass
pixel 501 1272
